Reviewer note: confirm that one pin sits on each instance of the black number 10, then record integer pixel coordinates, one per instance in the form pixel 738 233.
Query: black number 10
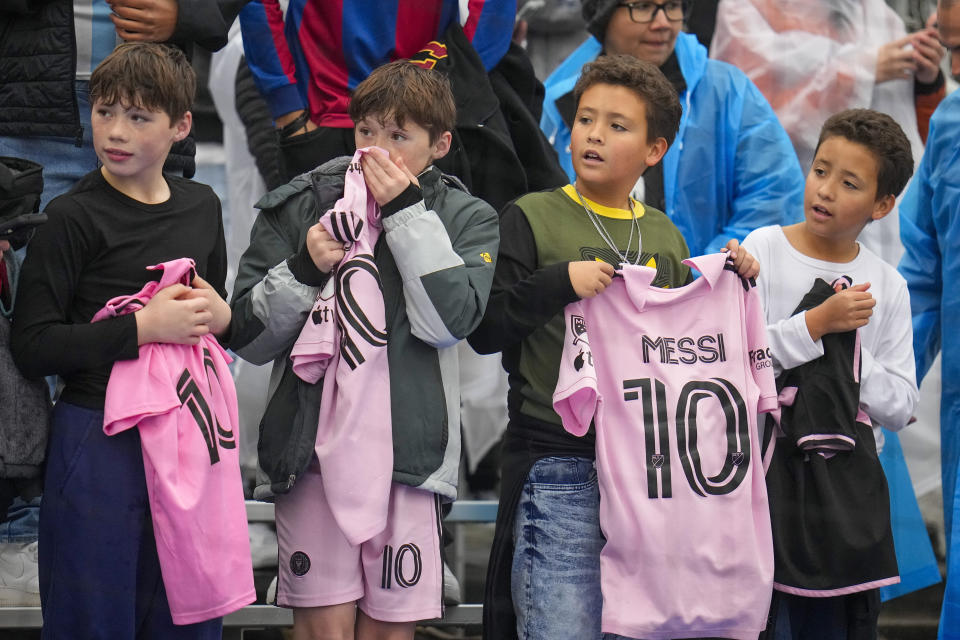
pixel 657 435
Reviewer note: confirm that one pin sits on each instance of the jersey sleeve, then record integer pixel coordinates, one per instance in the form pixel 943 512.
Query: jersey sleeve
pixel 761 359
pixel 319 339
pixel 576 396
pixel 141 388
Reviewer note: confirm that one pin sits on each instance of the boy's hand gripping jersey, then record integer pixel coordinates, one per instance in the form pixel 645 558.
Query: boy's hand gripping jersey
pixel 346 334
pixel 673 380
pixel 182 400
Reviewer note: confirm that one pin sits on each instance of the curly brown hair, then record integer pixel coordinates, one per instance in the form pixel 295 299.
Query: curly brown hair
pixel 644 79
pixel 401 90
pixel 156 77
pixel 883 137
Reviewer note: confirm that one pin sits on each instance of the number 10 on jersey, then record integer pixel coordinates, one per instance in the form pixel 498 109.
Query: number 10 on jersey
pixel 703 398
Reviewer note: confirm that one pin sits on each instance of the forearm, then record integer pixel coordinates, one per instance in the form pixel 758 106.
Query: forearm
pixel 58 348
pixel 791 343
pixel 446 281
pixel 524 295
pixel 888 390
pixel 205 23
pixel 275 290
pixel 269 58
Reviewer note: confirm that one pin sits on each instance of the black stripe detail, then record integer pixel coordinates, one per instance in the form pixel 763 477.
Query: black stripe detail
pixel 386 572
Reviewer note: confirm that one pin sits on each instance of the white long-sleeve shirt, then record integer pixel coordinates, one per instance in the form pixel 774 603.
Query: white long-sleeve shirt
pixel 888 383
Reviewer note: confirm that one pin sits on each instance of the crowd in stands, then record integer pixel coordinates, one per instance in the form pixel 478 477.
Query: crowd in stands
pixel 663 277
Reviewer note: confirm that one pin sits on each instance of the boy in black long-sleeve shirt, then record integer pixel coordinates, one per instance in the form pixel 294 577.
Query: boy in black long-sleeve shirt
pixel 99 572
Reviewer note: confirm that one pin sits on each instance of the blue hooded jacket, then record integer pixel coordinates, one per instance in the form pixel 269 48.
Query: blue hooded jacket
pixel 731 168
pixel 930 232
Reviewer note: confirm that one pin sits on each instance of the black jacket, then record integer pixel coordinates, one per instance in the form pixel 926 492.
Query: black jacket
pixel 38 60
pixel 498 150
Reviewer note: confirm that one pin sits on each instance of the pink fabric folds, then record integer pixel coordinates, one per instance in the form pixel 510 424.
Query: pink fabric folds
pixel 182 400
pixel 673 379
pixel 345 337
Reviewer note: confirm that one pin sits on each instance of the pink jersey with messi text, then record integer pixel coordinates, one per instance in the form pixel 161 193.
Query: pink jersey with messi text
pixel 182 400
pixel 345 341
pixel 673 380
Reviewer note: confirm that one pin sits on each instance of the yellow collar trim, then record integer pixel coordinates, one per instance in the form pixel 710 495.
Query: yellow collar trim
pixel 602 210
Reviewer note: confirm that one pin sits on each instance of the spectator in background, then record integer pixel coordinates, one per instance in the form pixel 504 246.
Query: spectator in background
pixel 731 169
pixel 812 59
pixel 50 49
pixel 24 404
pixel 307 64
pixel 930 230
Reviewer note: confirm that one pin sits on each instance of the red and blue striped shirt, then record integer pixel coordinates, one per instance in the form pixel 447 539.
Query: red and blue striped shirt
pixel 316 56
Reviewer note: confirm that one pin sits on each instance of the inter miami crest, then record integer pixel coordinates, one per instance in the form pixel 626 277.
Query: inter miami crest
pixel 299 563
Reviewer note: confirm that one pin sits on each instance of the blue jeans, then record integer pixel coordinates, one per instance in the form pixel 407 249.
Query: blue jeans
pixel 63 161
pixel 23 521
pixel 99 570
pixel 555 578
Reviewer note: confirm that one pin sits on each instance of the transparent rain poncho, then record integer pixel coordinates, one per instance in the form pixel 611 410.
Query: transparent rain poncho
pixel 813 58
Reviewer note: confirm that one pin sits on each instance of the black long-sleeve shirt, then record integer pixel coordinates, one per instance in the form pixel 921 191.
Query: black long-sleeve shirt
pixel 96 246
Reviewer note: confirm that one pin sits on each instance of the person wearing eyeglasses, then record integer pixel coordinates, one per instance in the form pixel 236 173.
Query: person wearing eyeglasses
pixel 732 168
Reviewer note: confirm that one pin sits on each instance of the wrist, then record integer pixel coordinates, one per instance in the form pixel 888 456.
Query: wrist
pixel 922 88
pixel 144 330
pixel 292 123
pixel 305 270
pixel 411 195
pixel 814 327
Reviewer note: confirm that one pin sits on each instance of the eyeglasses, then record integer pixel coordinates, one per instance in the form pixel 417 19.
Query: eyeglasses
pixel 644 12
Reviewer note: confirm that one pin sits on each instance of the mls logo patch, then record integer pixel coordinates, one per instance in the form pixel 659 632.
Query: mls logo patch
pixel 736 458
pixel 578 327
pixel 299 563
pixel 657 460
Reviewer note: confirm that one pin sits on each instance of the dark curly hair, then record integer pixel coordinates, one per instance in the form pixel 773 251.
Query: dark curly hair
pixel 647 81
pixel 879 133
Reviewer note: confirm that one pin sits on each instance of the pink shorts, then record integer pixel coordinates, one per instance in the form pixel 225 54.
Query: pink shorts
pixel 396 576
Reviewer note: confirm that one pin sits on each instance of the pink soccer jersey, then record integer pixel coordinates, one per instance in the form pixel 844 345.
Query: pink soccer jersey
pixel 346 334
pixel 182 400
pixel 673 379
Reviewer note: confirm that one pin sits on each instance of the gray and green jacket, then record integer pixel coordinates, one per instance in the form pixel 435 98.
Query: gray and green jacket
pixel 436 261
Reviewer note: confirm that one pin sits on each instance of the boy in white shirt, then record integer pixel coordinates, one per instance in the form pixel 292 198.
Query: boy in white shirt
pixel 862 162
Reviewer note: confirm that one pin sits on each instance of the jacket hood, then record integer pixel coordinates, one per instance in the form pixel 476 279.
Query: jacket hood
pixel 692 57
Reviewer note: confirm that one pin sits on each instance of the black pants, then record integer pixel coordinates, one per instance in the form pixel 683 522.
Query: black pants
pixel 307 151
pixel 849 617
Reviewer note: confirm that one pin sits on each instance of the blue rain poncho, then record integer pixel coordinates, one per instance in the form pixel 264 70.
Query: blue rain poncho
pixel 930 231
pixel 731 168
